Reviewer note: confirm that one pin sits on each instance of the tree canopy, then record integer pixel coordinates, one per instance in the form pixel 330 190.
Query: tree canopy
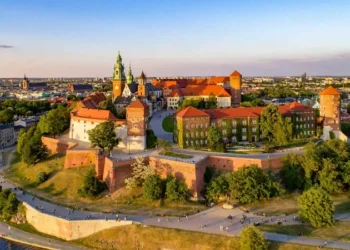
pixel 140 171
pixel 91 185
pixel 103 136
pixel 152 187
pixel 252 238
pixel 108 105
pixel 176 190
pixel 317 207
pixel 250 184
pixel 55 121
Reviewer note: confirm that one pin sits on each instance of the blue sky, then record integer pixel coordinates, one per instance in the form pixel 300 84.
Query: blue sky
pixel 52 38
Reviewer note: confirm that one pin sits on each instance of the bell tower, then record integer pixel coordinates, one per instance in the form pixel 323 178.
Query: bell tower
pixel 118 77
pixel 25 82
pixel 129 77
pixel 142 89
pixel 235 87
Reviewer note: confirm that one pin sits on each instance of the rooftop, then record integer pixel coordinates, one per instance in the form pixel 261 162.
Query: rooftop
pixel 330 91
pixel 190 112
pixel 97 114
pixel 137 104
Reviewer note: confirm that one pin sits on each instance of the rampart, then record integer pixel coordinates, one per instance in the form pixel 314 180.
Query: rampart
pixel 56 146
pixel 67 229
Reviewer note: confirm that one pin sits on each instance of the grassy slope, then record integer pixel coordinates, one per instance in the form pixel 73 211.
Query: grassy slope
pixel 63 184
pixel 168 124
pixel 149 238
pixel 183 156
pixel 340 231
pixel 288 205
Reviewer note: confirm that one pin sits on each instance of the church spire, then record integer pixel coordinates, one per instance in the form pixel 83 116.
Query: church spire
pixel 129 77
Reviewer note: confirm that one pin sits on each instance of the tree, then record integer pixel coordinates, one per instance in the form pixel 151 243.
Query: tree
pixel 24 137
pixel 317 207
pixel 252 238
pixel 250 184
pixel 217 187
pixel 91 185
pixel 108 105
pixel 6 116
pixel 151 138
pixel 329 177
pixel 55 121
pixel 292 172
pixel 164 146
pixel 41 177
pixel 214 137
pixel 34 150
pixel 103 136
pixel 140 172
pixel 152 187
pixel 270 115
pixel 283 131
pixel 176 190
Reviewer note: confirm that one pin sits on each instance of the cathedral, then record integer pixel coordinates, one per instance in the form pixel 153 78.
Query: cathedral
pixel 126 89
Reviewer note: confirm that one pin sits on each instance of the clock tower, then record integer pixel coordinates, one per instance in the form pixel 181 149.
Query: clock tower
pixel 118 77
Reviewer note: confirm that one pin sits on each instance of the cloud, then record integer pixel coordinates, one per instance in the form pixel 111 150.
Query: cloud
pixel 5 46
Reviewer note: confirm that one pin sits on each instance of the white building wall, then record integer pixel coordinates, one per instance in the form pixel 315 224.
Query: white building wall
pixel 78 129
pixel 136 142
pixel 122 134
pixel 223 102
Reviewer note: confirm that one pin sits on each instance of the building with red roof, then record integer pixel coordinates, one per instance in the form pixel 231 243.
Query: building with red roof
pixel 237 124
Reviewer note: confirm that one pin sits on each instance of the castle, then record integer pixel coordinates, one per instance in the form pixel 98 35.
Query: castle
pixel 27 85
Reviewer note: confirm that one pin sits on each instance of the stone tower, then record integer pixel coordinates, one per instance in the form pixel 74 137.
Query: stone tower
pixel 330 108
pixel 25 82
pixel 142 90
pixel 118 77
pixel 235 87
pixel 137 121
pixel 129 77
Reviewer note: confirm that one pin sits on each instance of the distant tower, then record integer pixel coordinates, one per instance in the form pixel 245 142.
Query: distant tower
pixel 25 82
pixel 129 77
pixel 118 77
pixel 137 121
pixel 330 108
pixel 235 86
pixel 142 90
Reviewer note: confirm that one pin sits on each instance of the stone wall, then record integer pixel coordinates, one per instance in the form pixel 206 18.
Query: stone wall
pixel 56 146
pixel 67 230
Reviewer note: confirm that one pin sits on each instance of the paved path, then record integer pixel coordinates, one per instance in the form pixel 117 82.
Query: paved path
pixel 17 235
pixel 156 125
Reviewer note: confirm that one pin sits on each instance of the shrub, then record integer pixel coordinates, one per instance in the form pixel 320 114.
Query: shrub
pixel 91 185
pixel 152 187
pixel 176 190
pixel 41 177
pixel 252 239
pixel 151 139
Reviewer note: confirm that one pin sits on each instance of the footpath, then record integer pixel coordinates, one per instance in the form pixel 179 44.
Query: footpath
pixel 17 235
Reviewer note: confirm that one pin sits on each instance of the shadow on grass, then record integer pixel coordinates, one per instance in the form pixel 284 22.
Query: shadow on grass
pixel 343 207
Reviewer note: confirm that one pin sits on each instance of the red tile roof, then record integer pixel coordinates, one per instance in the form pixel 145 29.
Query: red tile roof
pixel 93 100
pixel 330 91
pixel 296 106
pixel 190 112
pixel 97 114
pixel 204 90
pixel 236 73
pixel 137 104
pixel 175 93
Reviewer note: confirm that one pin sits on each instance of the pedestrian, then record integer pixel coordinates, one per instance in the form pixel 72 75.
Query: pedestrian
pixel 179 219
pixel 325 243
pixel 226 229
pixel 205 226
pixel 125 217
pixel 158 220
pixel 186 217
pixel 116 216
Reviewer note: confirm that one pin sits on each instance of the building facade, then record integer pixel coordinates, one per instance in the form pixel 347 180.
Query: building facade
pixel 7 135
pixel 237 124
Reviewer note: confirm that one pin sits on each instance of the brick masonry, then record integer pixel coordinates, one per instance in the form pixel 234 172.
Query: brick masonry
pixel 56 146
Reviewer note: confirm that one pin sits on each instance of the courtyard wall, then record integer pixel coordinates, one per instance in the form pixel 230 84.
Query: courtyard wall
pixel 56 146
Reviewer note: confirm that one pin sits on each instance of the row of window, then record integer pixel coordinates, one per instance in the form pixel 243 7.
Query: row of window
pixel 308 118
pixel 197 142
pixel 192 134
pixel 305 125
pixel 196 126
pixel 234 123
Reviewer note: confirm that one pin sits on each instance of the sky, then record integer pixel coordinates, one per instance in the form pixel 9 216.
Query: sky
pixel 81 38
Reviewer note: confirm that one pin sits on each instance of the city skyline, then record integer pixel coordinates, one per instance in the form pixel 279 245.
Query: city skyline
pixel 48 39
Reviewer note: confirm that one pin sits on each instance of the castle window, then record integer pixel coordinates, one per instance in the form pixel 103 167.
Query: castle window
pixel 234 138
pixel 224 132
pixel 234 131
pixel 244 130
pixel 206 141
pixel 234 123
pixel 135 126
pixel 196 134
pixel 254 130
pixel 186 126
pixel 201 141
pixel 206 133
pixel 254 122
pixel 244 138
pixel 223 124
pixel 186 134
pixel 202 133
pixel 187 143
pixel 213 124
pixel 244 122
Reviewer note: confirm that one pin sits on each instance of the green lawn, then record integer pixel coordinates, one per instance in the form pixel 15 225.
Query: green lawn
pixel 288 204
pixel 149 238
pixel 168 124
pixel 339 232
pixel 183 156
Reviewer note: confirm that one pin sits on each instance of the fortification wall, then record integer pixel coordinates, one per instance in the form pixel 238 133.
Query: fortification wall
pixel 56 146
pixel 67 230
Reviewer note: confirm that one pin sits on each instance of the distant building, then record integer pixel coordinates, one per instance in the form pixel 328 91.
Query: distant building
pixel 27 85
pixel 7 135
pixel 80 88
pixel 27 122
